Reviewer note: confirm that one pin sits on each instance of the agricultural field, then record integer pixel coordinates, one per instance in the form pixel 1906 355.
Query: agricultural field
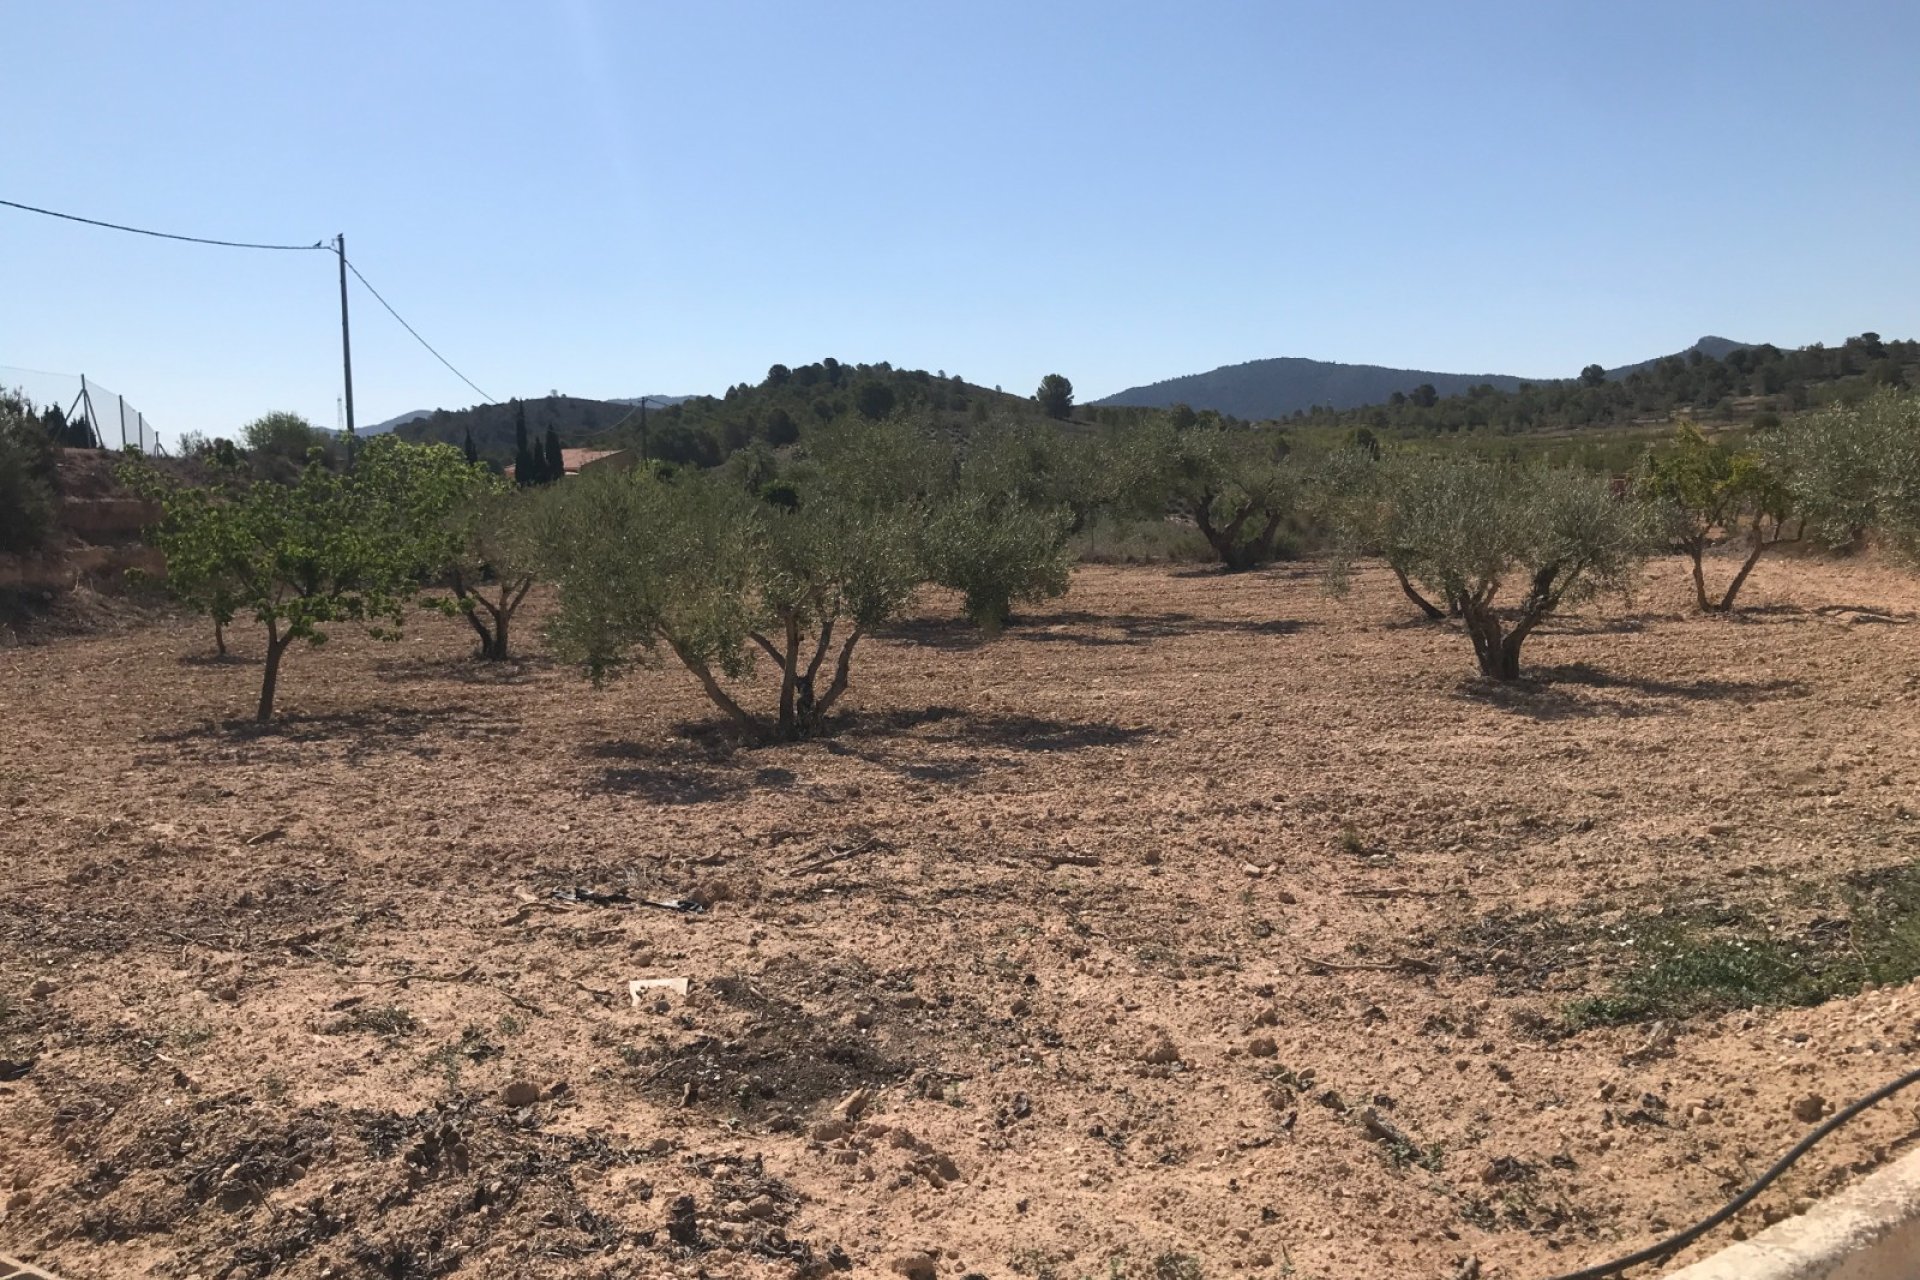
pixel 1198 925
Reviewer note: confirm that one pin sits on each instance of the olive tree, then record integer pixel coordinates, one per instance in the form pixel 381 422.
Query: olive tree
pixel 1705 493
pixel 1856 467
pixel 998 532
pixel 1233 484
pixel 492 563
pixel 705 571
pixel 1474 532
pixel 1363 500
pixel 997 551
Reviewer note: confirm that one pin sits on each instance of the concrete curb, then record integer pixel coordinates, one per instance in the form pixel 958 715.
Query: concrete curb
pixel 1870 1231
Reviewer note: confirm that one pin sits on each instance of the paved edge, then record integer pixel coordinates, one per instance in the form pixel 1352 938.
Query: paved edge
pixel 1870 1231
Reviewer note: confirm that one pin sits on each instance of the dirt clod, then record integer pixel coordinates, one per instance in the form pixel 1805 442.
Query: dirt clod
pixel 915 1266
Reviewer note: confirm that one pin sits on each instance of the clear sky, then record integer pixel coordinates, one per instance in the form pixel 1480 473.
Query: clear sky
pixel 612 197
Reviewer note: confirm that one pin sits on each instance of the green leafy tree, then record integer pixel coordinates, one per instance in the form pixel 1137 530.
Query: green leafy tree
pixel 1055 396
pixel 873 399
pixel 1475 529
pixel 1855 467
pixel 702 570
pixel 281 444
pixel 781 428
pixel 1593 376
pixel 1706 492
pixel 1364 500
pixel 328 549
pixel 1232 483
pixel 479 538
pixel 997 551
pixel 998 533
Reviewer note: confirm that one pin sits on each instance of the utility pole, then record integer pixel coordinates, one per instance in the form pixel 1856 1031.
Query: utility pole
pixel 346 340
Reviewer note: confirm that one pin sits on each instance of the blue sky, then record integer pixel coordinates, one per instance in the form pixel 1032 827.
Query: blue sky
pixel 616 196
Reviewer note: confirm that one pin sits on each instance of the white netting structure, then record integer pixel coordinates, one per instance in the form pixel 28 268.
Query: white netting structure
pixel 115 422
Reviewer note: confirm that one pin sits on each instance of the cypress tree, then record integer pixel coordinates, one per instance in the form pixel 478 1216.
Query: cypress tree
pixel 473 454
pixel 556 468
pixel 524 466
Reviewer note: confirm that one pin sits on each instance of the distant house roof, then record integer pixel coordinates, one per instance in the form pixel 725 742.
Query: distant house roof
pixel 574 461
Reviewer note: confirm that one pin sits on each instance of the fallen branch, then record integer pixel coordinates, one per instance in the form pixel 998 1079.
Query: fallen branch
pixel 839 855
pixel 1399 964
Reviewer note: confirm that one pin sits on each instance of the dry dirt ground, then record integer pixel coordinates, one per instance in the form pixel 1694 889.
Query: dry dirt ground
pixel 1049 916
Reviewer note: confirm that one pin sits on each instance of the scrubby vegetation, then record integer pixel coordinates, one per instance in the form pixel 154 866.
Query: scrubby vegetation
pixel 27 477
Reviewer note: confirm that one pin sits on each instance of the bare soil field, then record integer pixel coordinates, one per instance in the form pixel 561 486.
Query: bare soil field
pixel 1199 925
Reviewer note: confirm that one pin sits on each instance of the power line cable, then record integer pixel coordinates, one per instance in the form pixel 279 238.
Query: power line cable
pixel 1680 1239
pixel 248 244
pixel 415 332
pixel 159 235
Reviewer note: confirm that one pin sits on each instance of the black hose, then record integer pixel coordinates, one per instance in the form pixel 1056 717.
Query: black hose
pixel 1680 1240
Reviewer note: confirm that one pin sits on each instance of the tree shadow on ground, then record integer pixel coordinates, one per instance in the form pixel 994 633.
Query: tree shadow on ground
pixel 360 733
pixel 217 660
pixel 686 785
pixel 1096 630
pixel 1547 693
pixel 698 765
pixel 471 669
pixel 1015 732
pixel 1709 690
pixel 702 762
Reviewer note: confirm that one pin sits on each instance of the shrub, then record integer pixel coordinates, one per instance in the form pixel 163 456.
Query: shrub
pixel 27 475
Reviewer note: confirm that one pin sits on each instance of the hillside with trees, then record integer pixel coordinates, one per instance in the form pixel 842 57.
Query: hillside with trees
pixel 706 430
pixel 1757 384
pixel 1714 379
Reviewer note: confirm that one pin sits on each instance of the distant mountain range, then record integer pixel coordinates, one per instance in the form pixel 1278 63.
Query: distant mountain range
pixel 1266 389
